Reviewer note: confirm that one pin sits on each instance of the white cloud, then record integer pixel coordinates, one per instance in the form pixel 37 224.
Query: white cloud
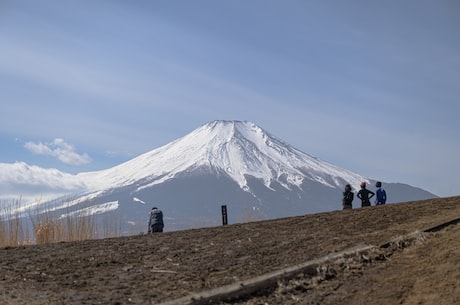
pixel 61 150
pixel 29 182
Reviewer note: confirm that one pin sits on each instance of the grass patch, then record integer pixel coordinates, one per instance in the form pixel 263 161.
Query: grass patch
pixel 40 224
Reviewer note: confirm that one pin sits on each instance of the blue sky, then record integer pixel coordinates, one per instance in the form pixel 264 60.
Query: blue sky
pixel 371 86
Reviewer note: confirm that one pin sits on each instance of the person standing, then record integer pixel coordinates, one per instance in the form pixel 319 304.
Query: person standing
pixel 156 224
pixel 347 199
pixel 365 195
pixel 381 195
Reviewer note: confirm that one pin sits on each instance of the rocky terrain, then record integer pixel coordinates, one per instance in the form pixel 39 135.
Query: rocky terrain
pixel 419 268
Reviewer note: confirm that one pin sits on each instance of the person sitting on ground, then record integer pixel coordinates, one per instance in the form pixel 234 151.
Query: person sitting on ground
pixel 381 195
pixel 365 195
pixel 156 221
pixel 347 199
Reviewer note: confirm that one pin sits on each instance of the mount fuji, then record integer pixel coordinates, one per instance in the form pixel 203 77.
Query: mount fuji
pixel 232 163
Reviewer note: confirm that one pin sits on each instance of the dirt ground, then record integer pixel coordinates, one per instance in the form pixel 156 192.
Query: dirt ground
pixel 152 269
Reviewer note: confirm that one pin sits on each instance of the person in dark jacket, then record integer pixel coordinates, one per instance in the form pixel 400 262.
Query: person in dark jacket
pixel 365 195
pixel 156 221
pixel 348 197
pixel 380 194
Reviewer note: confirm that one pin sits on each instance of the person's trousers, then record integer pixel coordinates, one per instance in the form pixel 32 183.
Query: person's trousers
pixel 157 228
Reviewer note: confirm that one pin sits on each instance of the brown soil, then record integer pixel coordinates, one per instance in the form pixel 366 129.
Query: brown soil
pixel 151 269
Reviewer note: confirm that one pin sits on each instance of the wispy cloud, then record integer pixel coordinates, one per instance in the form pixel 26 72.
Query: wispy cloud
pixel 59 149
pixel 61 71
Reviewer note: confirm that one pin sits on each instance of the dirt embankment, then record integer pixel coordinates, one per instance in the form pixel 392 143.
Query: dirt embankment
pixel 151 269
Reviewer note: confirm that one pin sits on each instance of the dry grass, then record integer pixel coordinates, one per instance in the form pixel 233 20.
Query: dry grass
pixel 39 226
pixel 13 229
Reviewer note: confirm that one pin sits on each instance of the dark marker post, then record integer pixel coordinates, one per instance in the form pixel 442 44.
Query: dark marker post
pixel 224 215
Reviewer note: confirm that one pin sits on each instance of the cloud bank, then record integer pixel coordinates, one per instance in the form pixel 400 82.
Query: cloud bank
pixel 27 181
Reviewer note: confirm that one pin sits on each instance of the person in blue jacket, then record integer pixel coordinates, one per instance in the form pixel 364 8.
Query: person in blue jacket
pixel 380 194
pixel 156 221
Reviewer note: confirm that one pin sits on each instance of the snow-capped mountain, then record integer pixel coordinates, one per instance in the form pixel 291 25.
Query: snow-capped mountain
pixel 236 149
pixel 223 162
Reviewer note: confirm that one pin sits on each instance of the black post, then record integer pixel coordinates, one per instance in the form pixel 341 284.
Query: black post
pixel 224 215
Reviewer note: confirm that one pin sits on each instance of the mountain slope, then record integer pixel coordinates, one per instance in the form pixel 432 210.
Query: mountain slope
pixel 224 162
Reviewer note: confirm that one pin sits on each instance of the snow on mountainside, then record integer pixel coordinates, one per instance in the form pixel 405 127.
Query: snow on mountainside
pixel 234 147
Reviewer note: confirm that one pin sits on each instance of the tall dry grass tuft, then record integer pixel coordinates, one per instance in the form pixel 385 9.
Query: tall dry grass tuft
pixel 44 225
pixel 110 226
pixel 14 229
pixel 76 224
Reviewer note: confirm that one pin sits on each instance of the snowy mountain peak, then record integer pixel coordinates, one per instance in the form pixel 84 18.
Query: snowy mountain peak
pixel 236 148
